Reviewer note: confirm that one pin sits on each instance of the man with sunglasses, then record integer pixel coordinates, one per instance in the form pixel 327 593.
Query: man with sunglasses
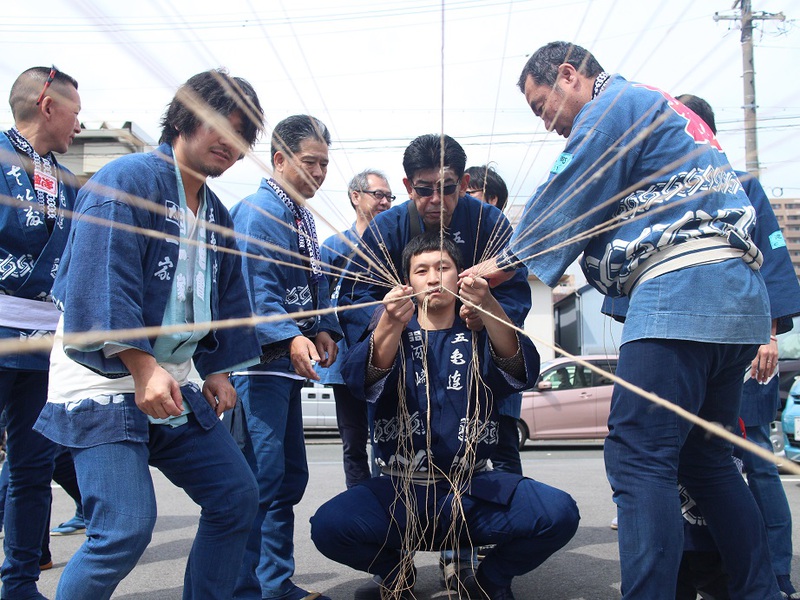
pixel 438 202
pixel 369 194
pixel 35 192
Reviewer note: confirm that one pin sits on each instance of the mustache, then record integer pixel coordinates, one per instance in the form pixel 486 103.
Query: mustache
pixel 221 150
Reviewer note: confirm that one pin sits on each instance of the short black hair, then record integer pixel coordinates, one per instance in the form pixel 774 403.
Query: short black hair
pixel 543 64
pixel 486 178
pixel 27 87
pixel 701 108
pixel 425 152
pixel 430 242
pixel 292 131
pixel 221 93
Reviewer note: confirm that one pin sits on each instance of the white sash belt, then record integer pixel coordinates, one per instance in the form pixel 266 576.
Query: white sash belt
pixel 24 313
pixel 697 251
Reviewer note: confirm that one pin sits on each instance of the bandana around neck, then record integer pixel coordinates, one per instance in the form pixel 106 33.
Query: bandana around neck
pixel 600 83
pixel 306 229
pixel 45 181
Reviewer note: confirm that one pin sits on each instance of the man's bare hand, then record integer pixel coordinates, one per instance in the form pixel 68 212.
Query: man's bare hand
pixel 765 362
pixel 156 392
pixel 488 270
pixel 302 352
pixel 399 307
pixel 326 348
pixel 471 317
pixel 219 392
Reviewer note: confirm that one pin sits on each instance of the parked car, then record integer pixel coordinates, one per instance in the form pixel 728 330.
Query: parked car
pixel 788 372
pixel 569 401
pixel 319 409
pixel 790 421
pixel 788 359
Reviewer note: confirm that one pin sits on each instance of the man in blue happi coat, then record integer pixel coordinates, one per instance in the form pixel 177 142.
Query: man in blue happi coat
pixel 760 397
pixel 151 247
pixel 36 191
pixel 284 278
pixel 438 200
pixel 369 194
pixel 435 389
pixel 436 183
pixel 645 192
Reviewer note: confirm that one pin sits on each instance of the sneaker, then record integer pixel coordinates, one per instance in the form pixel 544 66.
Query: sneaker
pixel 458 579
pixel 375 590
pixel 298 593
pixel 786 587
pixel 482 551
pixel 74 525
pixel 614 524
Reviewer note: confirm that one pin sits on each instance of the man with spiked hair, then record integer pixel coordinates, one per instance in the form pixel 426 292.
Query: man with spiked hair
pixel 162 244
pixel 670 230
pixel 35 192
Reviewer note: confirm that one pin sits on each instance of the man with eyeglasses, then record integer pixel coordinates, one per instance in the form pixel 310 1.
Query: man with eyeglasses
pixel 369 194
pixel 438 201
pixel 35 192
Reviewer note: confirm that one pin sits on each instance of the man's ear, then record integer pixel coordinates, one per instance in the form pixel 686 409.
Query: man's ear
pixel 46 107
pixel 463 185
pixel 567 74
pixel 279 161
pixel 407 183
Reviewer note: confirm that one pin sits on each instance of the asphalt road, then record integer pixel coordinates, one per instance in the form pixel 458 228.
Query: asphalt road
pixel 586 569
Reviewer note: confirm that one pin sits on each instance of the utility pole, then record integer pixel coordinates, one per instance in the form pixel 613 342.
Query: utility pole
pixel 746 18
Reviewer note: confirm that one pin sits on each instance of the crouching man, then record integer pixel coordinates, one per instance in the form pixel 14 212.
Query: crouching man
pixel 431 386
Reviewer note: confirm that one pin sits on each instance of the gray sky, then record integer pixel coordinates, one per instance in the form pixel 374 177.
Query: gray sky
pixel 381 73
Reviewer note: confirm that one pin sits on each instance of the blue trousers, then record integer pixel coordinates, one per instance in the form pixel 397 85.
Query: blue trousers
pixel 505 456
pixel 767 489
pixel 351 418
pixel 358 529
pixel 276 452
pixel 649 448
pixel 30 462
pixel 119 506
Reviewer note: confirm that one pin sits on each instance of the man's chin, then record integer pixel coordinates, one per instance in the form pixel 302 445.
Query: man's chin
pixel 214 172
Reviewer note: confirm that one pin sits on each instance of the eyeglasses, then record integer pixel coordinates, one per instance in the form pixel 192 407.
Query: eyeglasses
pixel 380 195
pixel 426 191
pixel 47 83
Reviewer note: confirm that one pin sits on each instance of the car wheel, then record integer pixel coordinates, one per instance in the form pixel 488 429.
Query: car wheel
pixel 522 434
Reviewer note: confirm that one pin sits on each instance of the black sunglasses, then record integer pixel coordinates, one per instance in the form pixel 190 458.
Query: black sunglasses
pixel 380 195
pixel 426 191
pixel 47 83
